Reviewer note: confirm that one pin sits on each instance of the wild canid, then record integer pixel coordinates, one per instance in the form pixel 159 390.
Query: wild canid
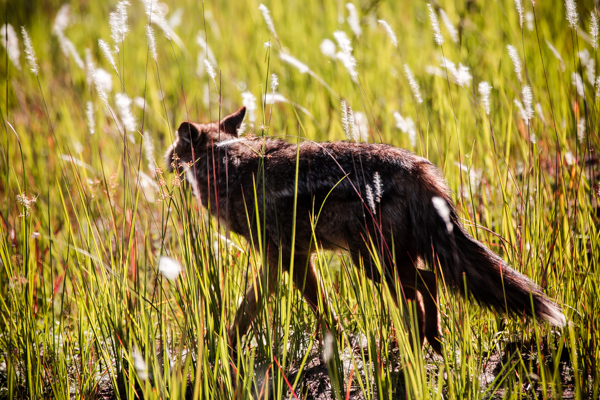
pixel 369 196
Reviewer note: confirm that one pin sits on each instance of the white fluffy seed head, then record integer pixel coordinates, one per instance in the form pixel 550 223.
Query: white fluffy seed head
pixel 124 105
pixel 571 13
pixel 378 187
pixel 353 20
pixel 268 20
pixel 414 85
pixel 62 19
pixel 149 153
pixel 540 112
pixel 190 177
pixel 514 56
pixel 581 129
pixel 151 42
pixel 210 70
pixel 435 26
pixel 328 48
pixel 107 53
pixel 294 62
pixel 169 268
pixel 530 20
pixel 10 41
pixel 141 368
pixel 328 347
pixel 460 75
pixel 449 26
pixel 528 101
pixel 274 83
pixel 348 123
pixel 272 98
pixel 578 83
pixel 103 79
pixel 522 112
pixel 118 22
pixel 352 134
pixel 30 52
pixel 484 92
pixel 406 125
pixel 361 124
pixel 249 101
pixel 370 198
pixel 557 55
pixel 519 8
pixel 345 53
pixel 390 32
pixel 344 116
pixel 68 49
pixel 89 66
pixel 89 111
pixel 594 30
pixel 590 70
pixel 206 48
pixel 157 12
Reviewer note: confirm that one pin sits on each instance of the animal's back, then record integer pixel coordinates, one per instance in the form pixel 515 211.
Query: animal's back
pixel 344 184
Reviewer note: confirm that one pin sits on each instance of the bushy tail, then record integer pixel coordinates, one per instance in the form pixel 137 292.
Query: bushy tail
pixel 463 260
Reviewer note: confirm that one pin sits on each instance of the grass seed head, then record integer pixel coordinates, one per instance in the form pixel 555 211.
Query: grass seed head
pixel 345 54
pixel 328 48
pixel 594 30
pixel 124 105
pixel 294 62
pixel 519 8
pixel 118 22
pixel 10 41
pixel 571 13
pixel 267 17
pixel 151 42
pixel 30 52
pixel 528 101
pixel 407 126
pixel 107 54
pixel 435 26
pixel 169 268
pixel 89 112
pixel 353 19
pixel 484 91
pixel 449 26
pixel 414 85
pixel 390 32
pixel 514 56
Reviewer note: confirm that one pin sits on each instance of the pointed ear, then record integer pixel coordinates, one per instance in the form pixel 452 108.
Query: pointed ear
pixel 231 123
pixel 188 131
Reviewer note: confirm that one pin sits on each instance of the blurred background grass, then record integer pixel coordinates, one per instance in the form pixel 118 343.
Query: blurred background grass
pixel 81 292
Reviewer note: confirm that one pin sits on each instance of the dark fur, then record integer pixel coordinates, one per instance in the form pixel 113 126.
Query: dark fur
pixel 332 179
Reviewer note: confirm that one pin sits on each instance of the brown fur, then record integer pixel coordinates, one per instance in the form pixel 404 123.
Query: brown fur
pixel 404 226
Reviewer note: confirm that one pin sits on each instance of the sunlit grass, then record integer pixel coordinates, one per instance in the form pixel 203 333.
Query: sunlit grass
pixel 84 310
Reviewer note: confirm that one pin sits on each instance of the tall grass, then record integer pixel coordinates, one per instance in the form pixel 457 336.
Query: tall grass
pixel 87 214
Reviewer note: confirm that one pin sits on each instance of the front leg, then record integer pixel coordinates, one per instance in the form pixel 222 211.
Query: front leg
pixel 253 300
pixel 307 282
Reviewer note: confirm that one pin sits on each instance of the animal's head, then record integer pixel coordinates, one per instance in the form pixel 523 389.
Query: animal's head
pixel 193 139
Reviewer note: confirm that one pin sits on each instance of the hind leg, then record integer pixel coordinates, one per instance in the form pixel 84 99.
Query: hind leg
pixel 418 281
pixel 432 313
pixel 412 299
pixel 410 296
